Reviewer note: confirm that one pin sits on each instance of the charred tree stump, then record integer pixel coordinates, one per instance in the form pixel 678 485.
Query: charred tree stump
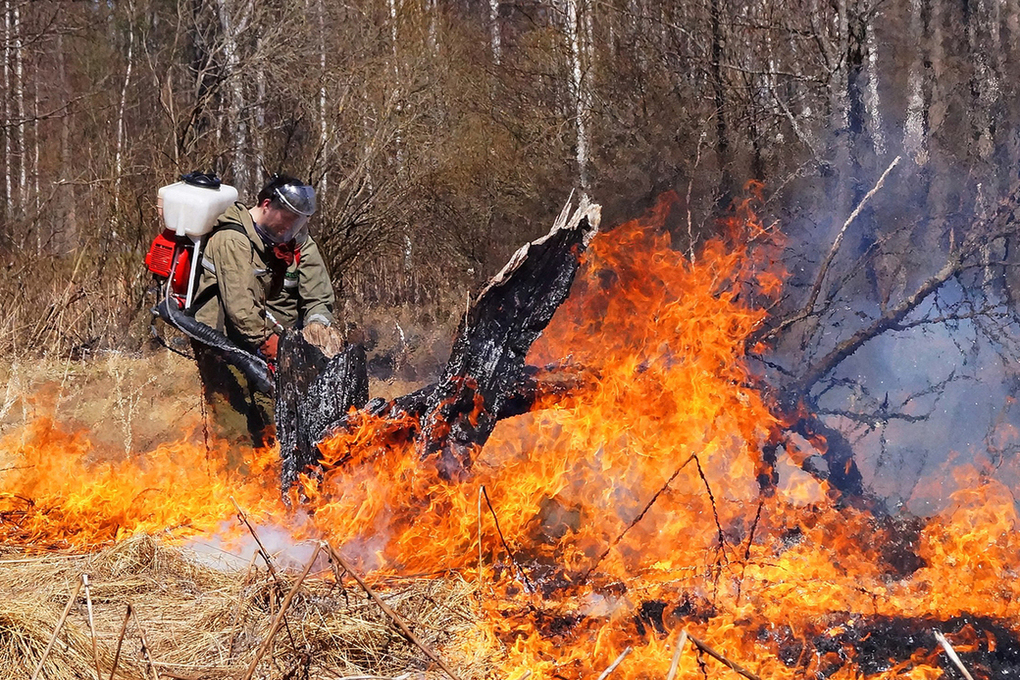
pixel 485 378
pixel 486 364
pixel 312 392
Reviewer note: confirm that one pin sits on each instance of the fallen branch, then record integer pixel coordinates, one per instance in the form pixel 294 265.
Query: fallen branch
pixel 612 666
pixel 242 517
pixel 719 657
pixel 951 653
pixel 278 619
pixel 56 632
pixel 399 622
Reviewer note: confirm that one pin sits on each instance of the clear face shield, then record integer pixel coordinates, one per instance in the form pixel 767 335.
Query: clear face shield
pixel 288 214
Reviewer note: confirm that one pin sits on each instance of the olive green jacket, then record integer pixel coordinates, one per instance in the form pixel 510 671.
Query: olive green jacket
pixel 237 294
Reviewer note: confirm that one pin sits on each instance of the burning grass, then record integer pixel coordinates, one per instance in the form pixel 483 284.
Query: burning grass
pixel 608 523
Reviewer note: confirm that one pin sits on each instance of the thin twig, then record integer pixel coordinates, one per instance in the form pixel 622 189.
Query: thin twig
pixel 509 552
pixel 820 279
pixel 634 521
pixel 278 619
pixel 719 657
pixel 243 517
pixel 56 631
pixel 397 620
pixel 120 641
pixel 612 666
pixel 681 642
pixel 92 625
pixel 951 653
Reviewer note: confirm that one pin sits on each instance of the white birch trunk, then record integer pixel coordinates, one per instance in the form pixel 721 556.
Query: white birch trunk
pixel 579 88
pixel 8 151
pixel 497 48
pixel 914 133
pixel 19 93
pixel 872 101
pixel 118 164
pixel 323 118
pixel 232 29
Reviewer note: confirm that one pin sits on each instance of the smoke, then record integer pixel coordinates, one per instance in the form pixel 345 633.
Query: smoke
pixel 233 547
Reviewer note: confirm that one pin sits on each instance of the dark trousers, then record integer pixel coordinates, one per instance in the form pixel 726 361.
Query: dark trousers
pixel 238 413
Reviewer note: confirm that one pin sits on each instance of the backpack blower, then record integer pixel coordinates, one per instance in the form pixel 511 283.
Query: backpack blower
pixel 189 209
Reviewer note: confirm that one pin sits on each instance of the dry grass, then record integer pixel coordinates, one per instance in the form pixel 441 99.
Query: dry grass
pixel 204 622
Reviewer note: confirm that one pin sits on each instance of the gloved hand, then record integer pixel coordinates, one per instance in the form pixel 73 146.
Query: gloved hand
pixel 270 347
pixel 326 338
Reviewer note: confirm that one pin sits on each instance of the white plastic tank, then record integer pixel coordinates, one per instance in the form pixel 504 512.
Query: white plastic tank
pixel 191 210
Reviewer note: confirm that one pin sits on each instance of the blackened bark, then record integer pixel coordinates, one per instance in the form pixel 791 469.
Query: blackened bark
pixel 487 361
pixel 485 379
pixel 313 392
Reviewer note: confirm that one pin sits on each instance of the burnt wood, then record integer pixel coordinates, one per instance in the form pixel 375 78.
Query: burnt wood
pixel 485 379
pixel 312 393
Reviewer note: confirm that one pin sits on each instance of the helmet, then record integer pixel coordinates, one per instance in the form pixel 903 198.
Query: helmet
pixel 297 197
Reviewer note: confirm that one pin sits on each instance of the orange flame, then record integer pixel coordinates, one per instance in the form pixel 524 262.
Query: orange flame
pixel 628 513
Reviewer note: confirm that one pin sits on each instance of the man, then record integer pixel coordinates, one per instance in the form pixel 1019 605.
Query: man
pixel 261 273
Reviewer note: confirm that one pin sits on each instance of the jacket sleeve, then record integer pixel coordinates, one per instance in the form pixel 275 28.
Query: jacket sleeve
pixel 315 289
pixel 240 292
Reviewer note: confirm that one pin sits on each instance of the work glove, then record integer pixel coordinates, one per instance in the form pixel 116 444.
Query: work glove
pixel 326 338
pixel 270 347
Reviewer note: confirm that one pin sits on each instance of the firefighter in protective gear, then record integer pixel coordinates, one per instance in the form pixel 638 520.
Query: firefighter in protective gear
pixel 261 273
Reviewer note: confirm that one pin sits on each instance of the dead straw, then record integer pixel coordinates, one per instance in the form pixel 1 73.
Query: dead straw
pixel 240 605
pixel 612 666
pixel 681 642
pixel 278 619
pixel 951 653
pixel 120 641
pixel 56 632
pixel 390 613
pixel 719 657
pixel 92 626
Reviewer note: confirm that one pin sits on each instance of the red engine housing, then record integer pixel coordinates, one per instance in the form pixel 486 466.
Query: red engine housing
pixel 169 258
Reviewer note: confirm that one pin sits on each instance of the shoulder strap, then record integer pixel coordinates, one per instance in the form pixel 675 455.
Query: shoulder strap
pixel 213 290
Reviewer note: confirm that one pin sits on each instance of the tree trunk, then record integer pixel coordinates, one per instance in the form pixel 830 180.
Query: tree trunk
pixel 727 189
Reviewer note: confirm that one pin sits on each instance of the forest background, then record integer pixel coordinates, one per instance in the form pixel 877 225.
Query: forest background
pixel 443 135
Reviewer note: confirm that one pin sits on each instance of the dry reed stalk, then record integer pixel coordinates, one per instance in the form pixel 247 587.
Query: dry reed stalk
pixel 952 654
pixel 681 642
pixel 390 613
pixel 146 654
pixel 277 620
pixel 92 626
pixel 243 517
pixel 120 641
pixel 56 632
pixel 719 657
pixel 480 576
pixel 612 667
